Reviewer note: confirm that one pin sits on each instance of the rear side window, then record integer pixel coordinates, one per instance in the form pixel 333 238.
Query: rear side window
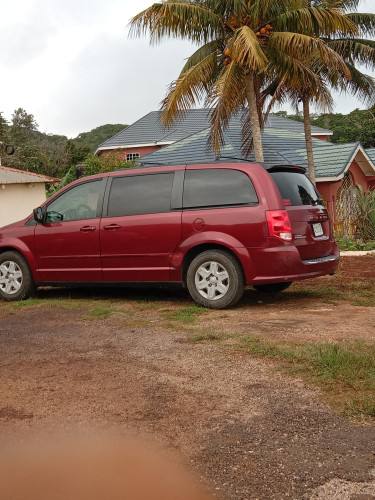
pixel 295 188
pixel 217 188
pixel 141 194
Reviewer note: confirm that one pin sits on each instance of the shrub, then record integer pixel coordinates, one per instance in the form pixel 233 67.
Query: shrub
pixel 92 165
pixel 365 217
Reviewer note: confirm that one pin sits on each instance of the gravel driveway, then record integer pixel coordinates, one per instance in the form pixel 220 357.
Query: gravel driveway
pixel 249 432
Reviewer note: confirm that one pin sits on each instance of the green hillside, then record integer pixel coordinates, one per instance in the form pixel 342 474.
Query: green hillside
pixel 97 135
pixel 48 154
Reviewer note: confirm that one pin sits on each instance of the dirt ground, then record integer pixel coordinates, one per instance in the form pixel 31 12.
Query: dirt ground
pixel 247 431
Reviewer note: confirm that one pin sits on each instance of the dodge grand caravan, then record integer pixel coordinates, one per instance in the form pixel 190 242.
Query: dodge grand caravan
pixel 212 228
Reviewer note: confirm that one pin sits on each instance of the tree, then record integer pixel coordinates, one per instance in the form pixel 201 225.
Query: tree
pixel 359 125
pixel 347 78
pixel 75 155
pixel 23 122
pixel 3 128
pixel 353 49
pixel 239 42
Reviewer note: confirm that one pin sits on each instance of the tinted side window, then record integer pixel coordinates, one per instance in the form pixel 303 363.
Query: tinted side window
pixel 218 187
pixel 295 188
pixel 140 194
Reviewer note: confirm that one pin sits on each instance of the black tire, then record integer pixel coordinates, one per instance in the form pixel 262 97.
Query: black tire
pixel 16 281
pixel 273 287
pixel 9 150
pixel 215 279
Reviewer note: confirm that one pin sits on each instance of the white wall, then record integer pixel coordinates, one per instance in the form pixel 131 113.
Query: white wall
pixel 17 201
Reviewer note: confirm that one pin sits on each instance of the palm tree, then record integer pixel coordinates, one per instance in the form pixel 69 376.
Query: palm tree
pixel 315 88
pixel 311 88
pixel 238 42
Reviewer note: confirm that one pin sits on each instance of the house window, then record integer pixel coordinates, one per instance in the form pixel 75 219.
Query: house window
pixel 132 156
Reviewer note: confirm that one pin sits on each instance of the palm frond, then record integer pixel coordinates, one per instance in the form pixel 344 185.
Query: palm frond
pixel 246 49
pixel 318 21
pixel 355 50
pixel 365 23
pixel 361 86
pixel 297 45
pixel 177 18
pixel 262 12
pixel 226 97
pixel 341 4
pixel 188 89
pixel 203 52
pixel 298 76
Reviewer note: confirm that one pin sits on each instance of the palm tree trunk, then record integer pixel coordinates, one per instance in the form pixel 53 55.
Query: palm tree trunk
pixel 308 138
pixel 254 118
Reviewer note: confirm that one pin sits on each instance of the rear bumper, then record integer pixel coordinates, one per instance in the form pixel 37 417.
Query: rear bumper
pixel 272 265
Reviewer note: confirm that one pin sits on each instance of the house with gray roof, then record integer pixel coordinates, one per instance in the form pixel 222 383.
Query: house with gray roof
pixel 148 134
pixel 339 168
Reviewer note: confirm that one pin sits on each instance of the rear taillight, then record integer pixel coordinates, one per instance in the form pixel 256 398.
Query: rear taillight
pixel 279 224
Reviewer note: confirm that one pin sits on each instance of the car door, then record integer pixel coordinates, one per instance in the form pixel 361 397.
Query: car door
pixel 141 226
pixel 67 245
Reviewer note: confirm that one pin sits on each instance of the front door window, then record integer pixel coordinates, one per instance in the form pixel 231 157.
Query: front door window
pixel 79 203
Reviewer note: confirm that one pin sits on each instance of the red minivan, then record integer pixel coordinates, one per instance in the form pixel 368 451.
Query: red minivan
pixel 212 228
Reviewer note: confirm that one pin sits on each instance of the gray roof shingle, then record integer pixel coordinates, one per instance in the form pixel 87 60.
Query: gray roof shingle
pixel 148 129
pixel 371 153
pixel 279 146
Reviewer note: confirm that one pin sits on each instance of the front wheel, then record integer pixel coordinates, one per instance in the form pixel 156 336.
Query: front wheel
pixel 215 279
pixel 16 282
pixel 273 287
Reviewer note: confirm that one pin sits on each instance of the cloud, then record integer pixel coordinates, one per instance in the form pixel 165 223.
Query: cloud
pixel 72 65
pixel 114 80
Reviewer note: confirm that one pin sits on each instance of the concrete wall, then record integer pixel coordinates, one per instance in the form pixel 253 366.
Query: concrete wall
pixel 320 137
pixel 121 153
pixel 17 201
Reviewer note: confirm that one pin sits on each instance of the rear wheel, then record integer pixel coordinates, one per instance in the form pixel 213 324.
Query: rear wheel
pixel 273 287
pixel 16 282
pixel 215 279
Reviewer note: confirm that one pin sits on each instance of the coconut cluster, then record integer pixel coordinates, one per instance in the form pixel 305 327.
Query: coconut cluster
pixel 264 33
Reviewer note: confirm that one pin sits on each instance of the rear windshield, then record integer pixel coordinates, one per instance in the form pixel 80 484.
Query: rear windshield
pixel 295 188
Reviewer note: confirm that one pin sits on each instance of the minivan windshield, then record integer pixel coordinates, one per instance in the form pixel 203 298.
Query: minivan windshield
pixel 295 188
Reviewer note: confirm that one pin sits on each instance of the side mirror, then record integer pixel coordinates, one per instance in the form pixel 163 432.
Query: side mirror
pixel 39 214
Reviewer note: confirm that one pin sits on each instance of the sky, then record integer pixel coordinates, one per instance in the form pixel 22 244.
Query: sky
pixel 72 65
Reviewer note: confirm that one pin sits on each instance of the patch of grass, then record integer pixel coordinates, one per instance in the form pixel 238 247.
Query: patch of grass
pixel 357 293
pixel 26 303
pixel 205 337
pixel 61 303
pixel 187 315
pixel 99 313
pixel 365 298
pixel 320 292
pixel 143 305
pixel 345 371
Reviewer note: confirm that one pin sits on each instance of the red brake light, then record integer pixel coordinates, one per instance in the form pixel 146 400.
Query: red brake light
pixel 279 224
